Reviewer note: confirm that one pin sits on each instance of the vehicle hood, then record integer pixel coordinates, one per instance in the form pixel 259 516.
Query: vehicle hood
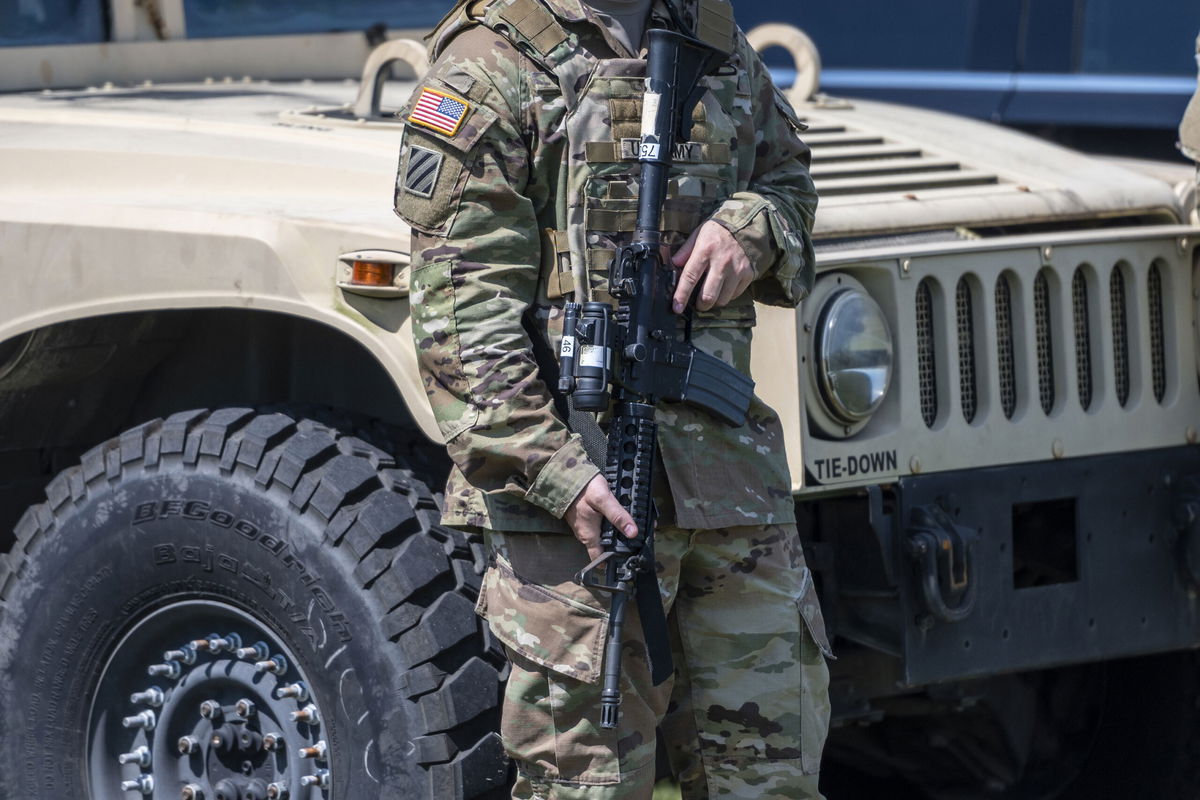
pixel 292 150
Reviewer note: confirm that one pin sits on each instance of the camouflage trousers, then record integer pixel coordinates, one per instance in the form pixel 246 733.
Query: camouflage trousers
pixel 747 711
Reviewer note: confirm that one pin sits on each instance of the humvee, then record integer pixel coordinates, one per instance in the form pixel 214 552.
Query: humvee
pixel 227 578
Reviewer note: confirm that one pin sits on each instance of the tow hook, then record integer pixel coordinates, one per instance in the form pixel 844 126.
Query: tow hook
pixel 943 556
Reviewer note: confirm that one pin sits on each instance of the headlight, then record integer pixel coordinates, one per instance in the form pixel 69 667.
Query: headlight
pixel 854 355
pixel 850 355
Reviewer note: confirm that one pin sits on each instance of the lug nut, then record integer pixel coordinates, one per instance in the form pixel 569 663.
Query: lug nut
pixel 249 741
pixel 316 751
pixel 151 697
pixel 272 742
pixel 192 792
pixel 307 714
pixel 277 791
pixel 188 745
pixel 297 690
pixel 244 708
pixel 319 778
pixel 230 642
pixel 276 664
pixel 256 652
pixel 144 720
pixel 143 784
pixel 140 756
pixel 170 670
pixel 211 710
pixel 223 739
pixel 202 644
pixel 185 654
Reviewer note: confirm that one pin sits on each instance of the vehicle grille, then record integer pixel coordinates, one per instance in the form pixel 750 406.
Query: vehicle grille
pixel 1016 350
pixel 1158 357
pixel 1056 326
pixel 925 354
pixel 1083 338
pixel 966 349
pixel 1120 337
pixel 1045 345
pixel 1004 347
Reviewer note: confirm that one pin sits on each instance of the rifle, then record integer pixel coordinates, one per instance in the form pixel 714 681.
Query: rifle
pixel 637 358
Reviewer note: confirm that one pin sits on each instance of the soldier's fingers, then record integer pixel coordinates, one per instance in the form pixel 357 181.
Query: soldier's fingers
pixel 735 285
pixel 590 539
pixel 685 251
pixel 688 279
pixel 612 509
pixel 713 288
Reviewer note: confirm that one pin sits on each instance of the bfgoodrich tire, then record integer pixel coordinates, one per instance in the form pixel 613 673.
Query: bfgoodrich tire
pixel 241 605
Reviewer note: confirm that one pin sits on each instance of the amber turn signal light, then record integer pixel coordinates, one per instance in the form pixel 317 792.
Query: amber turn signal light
pixel 372 273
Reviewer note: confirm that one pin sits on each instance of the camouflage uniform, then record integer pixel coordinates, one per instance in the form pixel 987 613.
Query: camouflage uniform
pixel 1189 129
pixel 517 195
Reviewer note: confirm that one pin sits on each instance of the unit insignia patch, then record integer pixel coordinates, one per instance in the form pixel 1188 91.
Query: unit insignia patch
pixel 422 173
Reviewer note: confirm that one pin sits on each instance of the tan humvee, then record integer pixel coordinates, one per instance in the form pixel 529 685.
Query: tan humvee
pixel 991 403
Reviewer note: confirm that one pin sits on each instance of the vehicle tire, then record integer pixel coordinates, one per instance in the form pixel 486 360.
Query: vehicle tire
pixel 353 606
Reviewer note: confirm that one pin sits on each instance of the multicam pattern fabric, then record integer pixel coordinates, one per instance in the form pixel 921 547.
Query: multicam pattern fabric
pixel 745 716
pixel 1189 129
pixel 488 282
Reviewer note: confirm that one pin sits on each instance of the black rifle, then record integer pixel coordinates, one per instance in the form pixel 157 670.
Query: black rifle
pixel 639 356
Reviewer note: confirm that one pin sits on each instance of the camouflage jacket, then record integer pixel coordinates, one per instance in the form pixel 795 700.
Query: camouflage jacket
pixel 518 179
pixel 1189 129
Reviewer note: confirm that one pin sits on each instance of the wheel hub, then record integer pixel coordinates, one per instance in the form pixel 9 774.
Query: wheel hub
pixel 213 717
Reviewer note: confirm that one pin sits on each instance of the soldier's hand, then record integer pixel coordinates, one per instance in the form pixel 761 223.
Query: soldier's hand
pixel 595 503
pixel 711 254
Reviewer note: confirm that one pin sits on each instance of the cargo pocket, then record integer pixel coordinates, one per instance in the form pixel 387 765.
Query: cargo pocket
pixel 551 702
pixel 814 677
pixel 542 625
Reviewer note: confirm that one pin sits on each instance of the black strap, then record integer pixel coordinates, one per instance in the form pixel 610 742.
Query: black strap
pixel 654 625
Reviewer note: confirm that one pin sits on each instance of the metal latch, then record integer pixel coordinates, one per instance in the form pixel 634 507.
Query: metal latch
pixel 943 557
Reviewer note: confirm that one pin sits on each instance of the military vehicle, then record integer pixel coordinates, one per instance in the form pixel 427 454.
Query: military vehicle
pixel 227 577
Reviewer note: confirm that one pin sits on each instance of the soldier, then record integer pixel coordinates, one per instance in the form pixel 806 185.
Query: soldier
pixel 518 177
pixel 1189 129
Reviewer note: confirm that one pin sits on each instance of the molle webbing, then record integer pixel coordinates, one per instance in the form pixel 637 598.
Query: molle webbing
pixel 556 263
pixel 615 221
pixel 715 26
pixel 534 23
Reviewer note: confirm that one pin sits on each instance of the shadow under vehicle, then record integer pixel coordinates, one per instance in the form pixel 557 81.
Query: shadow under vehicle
pixel 991 417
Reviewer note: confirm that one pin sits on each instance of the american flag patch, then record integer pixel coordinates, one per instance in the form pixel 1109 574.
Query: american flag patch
pixel 439 111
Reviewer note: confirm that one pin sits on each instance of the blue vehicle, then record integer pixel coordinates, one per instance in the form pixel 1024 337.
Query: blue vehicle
pixel 1103 63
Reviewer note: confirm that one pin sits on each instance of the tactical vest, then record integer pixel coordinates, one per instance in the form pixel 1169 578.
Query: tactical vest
pixel 596 104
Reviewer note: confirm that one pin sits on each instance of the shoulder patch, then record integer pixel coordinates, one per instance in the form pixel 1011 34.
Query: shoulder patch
pixel 422 172
pixel 439 111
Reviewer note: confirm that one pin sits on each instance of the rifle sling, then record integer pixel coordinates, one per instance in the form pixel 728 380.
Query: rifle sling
pixel 654 627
